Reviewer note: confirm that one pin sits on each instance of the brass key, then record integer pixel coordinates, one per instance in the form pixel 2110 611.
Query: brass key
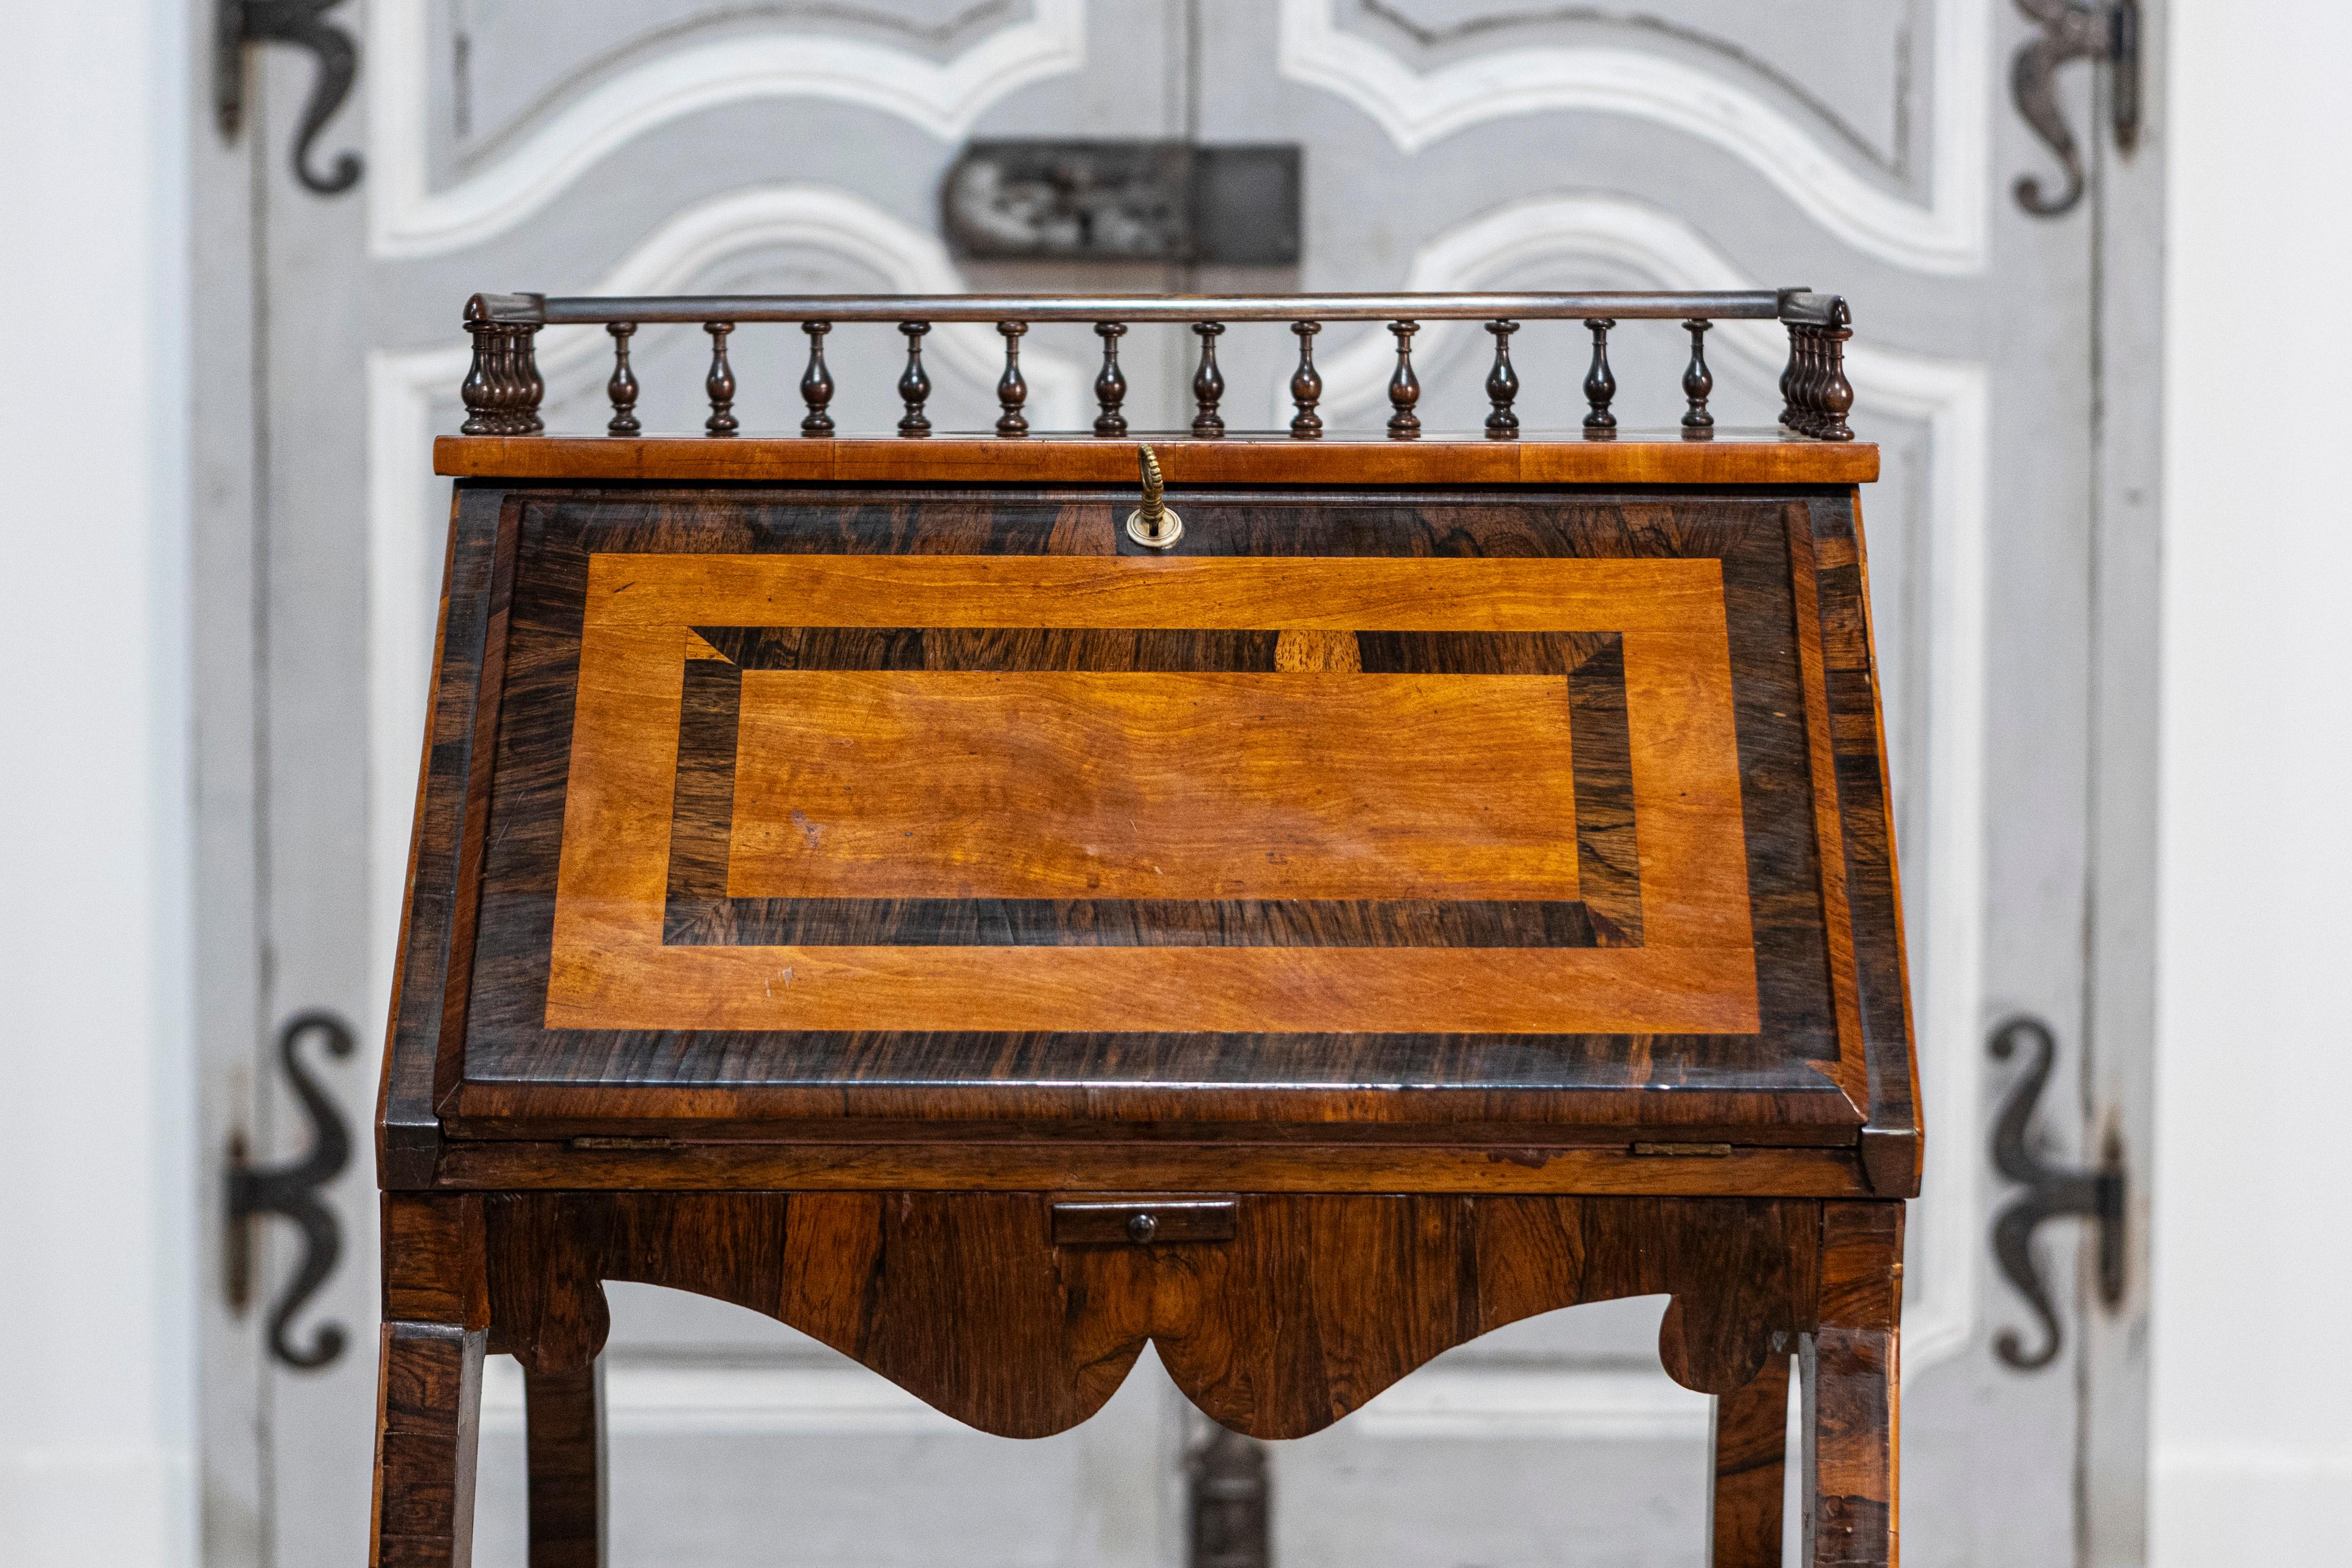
pixel 1154 524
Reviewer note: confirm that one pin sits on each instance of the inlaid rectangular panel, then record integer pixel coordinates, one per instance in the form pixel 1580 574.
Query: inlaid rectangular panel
pixel 1208 819
pixel 1415 793
pixel 1117 786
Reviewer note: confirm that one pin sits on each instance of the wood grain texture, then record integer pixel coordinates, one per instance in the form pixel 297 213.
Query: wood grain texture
pixel 886 740
pixel 980 1160
pixel 1850 1371
pixel 1732 458
pixel 1749 1440
pixel 563 1426
pixel 964 1300
pixel 1742 540
pixel 428 1398
pixel 433 971
pixel 1893 1139
pixel 1851 1070
pixel 433 1253
pixel 709 803
pixel 1152 786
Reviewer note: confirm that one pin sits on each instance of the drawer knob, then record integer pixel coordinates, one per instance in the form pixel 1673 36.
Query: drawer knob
pixel 1143 1221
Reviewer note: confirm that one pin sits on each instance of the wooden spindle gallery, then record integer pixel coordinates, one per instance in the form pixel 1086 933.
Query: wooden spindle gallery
pixel 1300 899
pixel 503 391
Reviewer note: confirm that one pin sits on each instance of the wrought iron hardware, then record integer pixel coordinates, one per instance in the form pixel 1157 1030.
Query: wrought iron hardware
pixel 237 23
pixel 2071 30
pixel 1124 201
pixel 292 1190
pixel 1230 1522
pixel 2050 1192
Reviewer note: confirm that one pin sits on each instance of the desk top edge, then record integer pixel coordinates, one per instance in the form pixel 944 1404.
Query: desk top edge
pixel 1636 457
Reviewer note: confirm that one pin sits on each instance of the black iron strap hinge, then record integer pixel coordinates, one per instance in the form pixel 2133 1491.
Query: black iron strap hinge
pixel 2050 1191
pixel 238 22
pixel 292 1190
pixel 2073 30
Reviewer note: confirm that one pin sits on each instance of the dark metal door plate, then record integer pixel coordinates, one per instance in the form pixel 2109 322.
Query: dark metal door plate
pixel 1124 201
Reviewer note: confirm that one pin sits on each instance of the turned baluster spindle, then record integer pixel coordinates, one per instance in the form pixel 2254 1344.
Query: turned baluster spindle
pixel 502 388
pixel 1600 384
pixel 534 386
pixel 1110 384
pixel 1404 387
pixel 914 383
pixel 1805 351
pixel 1698 383
pixel 475 392
pixel 1837 392
pixel 1817 379
pixel 1012 392
pixel 493 348
pixel 1208 381
pixel 1799 381
pixel 1306 385
pixel 720 384
pixel 1789 381
pixel 1502 385
pixel 816 381
pixel 623 388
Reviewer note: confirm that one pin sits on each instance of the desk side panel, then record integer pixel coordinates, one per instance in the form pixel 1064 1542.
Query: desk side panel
pixel 1893 1142
pixel 434 976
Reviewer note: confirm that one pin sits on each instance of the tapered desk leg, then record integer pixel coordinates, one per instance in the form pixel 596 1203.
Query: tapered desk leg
pixel 428 1396
pixel 564 1416
pixel 1751 1440
pixel 1849 1366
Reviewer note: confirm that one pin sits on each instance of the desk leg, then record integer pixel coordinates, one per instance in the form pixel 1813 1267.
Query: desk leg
pixel 428 1396
pixel 564 1418
pixel 1849 1366
pixel 1750 1441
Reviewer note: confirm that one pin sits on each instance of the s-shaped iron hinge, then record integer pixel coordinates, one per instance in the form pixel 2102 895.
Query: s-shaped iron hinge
pixel 292 1190
pixel 302 23
pixel 2073 30
pixel 2050 1192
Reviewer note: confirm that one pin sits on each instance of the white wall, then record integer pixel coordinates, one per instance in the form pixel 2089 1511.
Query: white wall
pixel 96 1402
pixel 2253 1436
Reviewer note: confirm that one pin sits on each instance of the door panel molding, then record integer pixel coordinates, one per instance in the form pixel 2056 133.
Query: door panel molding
pixel 1651 24
pixel 408 218
pixel 473 143
pixel 1953 399
pixel 1948 236
pixel 405 529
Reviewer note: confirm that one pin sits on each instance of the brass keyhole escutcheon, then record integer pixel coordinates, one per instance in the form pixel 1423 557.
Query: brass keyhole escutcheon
pixel 1154 524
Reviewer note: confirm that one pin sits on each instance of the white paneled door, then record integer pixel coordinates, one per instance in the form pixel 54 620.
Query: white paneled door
pixel 2003 360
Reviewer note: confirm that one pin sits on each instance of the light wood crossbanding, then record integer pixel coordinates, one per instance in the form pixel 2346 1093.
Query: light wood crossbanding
pixel 1002 780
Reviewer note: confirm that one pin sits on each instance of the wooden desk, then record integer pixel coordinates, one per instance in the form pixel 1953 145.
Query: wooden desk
pixel 860 881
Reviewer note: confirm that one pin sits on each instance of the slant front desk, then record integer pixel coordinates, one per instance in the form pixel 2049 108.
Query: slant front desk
pixel 989 912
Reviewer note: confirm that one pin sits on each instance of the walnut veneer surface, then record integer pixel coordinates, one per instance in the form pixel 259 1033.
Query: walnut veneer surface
pixel 1459 872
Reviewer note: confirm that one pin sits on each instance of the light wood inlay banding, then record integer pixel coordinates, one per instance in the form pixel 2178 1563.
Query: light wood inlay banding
pixel 891 783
